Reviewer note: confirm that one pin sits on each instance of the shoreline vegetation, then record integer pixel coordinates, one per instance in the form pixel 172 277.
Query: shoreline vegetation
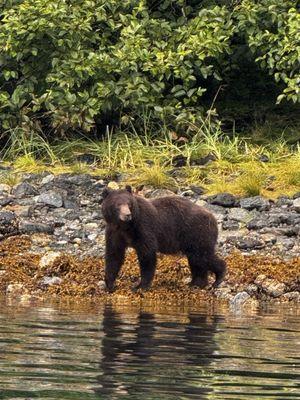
pixel 210 159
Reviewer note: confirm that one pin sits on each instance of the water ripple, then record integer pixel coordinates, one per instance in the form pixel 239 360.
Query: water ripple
pixel 131 353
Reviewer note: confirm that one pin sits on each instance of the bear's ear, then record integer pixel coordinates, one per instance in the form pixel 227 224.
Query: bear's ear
pixel 106 192
pixel 139 189
pixel 128 188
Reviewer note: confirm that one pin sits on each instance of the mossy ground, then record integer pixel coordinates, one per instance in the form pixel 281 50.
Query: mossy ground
pixel 80 278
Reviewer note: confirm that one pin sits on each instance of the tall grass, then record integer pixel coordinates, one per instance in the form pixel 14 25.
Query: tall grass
pixel 147 158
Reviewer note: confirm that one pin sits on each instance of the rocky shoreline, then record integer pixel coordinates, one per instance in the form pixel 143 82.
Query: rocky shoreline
pixel 61 214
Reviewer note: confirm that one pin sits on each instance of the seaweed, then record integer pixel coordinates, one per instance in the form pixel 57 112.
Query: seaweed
pixel 84 277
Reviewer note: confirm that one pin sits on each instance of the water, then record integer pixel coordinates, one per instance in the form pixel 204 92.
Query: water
pixel 62 351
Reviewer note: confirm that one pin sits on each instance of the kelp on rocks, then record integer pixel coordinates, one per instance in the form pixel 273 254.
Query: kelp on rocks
pixel 84 277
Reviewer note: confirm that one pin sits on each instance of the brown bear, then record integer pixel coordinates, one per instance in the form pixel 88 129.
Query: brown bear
pixel 168 225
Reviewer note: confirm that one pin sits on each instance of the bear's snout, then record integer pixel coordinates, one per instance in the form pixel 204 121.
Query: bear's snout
pixel 125 213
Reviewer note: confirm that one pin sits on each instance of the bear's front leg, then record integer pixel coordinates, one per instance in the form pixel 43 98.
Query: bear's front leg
pixel 147 262
pixel 114 257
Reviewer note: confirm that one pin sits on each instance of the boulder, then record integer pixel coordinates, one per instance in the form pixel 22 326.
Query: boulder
pixel 24 189
pixel 255 203
pixel 296 204
pixel 222 199
pixel 50 198
pixel 270 286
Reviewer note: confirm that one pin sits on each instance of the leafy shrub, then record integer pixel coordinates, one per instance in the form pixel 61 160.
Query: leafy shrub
pixel 73 65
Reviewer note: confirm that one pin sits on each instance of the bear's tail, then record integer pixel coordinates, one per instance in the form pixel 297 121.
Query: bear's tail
pixel 218 267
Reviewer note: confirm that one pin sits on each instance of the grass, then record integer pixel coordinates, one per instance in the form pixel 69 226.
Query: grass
pixel 156 176
pixel 10 178
pixel 147 159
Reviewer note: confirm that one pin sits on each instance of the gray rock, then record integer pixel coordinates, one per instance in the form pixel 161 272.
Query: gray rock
pixel 24 189
pixel 249 243
pixel 4 188
pixel 286 243
pixel 290 231
pixel 256 202
pixel 72 215
pixel 203 160
pixel 5 200
pixel 87 158
pixel 197 190
pixel 290 218
pixel 257 223
pixel 263 158
pixel 50 281
pixel 101 285
pixel 23 211
pixel 49 258
pixel 240 215
pixel 201 203
pixel 239 299
pixel 252 289
pixel 92 237
pixel 292 296
pixel 274 219
pixel 270 286
pixel 223 293
pixel 71 203
pixel 222 199
pixel 187 193
pixel 296 204
pixel 160 193
pixel 269 239
pixel 80 179
pixel 8 223
pixel 284 201
pixel 179 161
pixel 47 179
pixel 7 217
pixel 30 227
pixel 15 289
pixel 51 198
pixel 216 209
pixel 230 225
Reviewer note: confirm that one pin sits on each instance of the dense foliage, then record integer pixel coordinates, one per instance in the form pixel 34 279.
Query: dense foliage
pixel 77 64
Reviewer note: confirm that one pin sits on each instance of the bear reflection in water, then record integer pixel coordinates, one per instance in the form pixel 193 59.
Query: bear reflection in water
pixel 154 356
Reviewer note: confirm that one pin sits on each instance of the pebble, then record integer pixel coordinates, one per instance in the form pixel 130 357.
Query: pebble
pixel 15 289
pixel 49 258
pixel 50 281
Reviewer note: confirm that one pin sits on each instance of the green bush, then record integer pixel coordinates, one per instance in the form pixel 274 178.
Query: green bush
pixel 70 65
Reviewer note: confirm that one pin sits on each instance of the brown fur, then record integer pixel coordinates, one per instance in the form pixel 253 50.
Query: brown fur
pixel 168 225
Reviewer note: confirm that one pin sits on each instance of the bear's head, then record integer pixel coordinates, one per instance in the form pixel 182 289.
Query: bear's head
pixel 118 206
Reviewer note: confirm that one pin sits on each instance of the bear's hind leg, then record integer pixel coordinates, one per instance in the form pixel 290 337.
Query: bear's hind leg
pixel 199 269
pixel 218 267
